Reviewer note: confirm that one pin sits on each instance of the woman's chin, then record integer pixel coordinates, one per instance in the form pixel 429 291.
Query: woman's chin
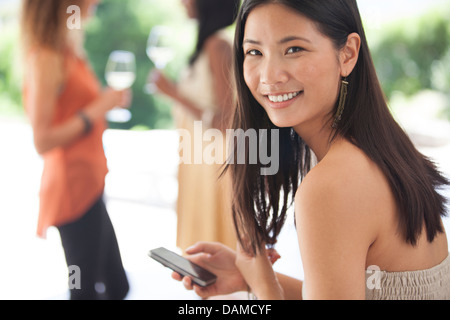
pixel 281 122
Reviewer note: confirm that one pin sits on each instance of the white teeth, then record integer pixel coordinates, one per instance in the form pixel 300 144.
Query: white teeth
pixel 283 98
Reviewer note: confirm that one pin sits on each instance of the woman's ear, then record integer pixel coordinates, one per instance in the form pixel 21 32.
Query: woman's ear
pixel 349 54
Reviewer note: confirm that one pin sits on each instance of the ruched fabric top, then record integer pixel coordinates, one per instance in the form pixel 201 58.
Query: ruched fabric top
pixel 429 284
pixel 73 176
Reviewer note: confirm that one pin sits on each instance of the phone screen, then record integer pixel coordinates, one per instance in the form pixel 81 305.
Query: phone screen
pixel 183 266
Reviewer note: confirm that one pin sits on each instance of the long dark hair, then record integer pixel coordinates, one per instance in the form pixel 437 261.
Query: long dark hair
pixel 213 15
pixel 261 202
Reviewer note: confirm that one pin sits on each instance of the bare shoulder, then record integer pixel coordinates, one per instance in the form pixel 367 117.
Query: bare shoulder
pixel 44 57
pixel 346 169
pixel 44 77
pixel 337 222
pixel 346 186
pixel 44 62
pixel 217 43
pixel 218 49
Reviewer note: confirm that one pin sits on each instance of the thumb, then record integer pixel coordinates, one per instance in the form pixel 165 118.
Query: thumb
pixel 155 75
pixel 204 247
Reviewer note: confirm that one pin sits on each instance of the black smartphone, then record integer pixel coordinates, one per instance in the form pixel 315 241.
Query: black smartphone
pixel 183 266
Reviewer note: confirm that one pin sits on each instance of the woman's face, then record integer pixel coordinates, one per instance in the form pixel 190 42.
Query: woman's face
pixel 190 8
pixel 291 68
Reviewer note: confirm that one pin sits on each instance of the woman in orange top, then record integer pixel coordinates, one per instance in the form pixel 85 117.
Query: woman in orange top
pixel 66 107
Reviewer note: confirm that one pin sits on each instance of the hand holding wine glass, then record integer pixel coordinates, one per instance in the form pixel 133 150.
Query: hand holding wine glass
pixel 120 74
pixel 159 50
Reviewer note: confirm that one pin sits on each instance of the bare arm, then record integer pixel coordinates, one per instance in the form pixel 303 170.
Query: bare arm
pixel 46 75
pixel 292 288
pixel 170 89
pixel 336 226
pixel 334 232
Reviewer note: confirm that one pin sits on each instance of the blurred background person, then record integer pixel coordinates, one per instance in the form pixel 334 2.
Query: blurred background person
pixel 66 107
pixel 204 93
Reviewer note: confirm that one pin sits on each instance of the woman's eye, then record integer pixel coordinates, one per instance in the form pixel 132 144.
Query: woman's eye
pixel 253 52
pixel 295 50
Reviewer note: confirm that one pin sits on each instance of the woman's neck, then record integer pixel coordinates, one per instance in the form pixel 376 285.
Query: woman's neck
pixel 319 139
pixel 75 43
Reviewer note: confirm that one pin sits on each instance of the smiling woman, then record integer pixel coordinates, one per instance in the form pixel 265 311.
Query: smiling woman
pixel 308 51
pixel 370 203
pixel 283 68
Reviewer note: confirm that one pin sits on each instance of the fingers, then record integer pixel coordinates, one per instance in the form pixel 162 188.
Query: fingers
pixel 117 98
pixel 203 293
pixel 188 285
pixel 273 255
pixel 127 96
pixel 154 76
pixel 176 276
pixel 187 282
pixel 204 247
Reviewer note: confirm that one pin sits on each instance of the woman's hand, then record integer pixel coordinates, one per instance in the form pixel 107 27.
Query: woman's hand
pixel 220 260
pixel 258 272
pixel 108 100
pixel 116 98
pixel 163 84
pixel 169 88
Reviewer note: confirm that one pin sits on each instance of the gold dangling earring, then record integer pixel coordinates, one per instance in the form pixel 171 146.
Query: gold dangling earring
pixel 341 105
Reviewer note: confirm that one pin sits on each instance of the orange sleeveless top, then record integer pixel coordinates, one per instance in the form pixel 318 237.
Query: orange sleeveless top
pixel 73 177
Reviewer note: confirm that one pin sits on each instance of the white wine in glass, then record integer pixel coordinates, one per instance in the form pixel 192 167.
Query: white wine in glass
pixel 159 50
pixel 120 74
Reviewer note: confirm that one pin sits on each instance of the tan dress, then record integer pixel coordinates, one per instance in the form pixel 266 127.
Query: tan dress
pixel 204 201
pixel 430 284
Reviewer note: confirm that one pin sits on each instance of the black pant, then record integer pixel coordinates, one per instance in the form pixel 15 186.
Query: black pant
pixel 90 244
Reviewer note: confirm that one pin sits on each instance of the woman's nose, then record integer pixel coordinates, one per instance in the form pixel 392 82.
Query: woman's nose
pixel 273 72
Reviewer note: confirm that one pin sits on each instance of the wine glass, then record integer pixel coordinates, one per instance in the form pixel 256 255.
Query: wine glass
pixel 120 74
pixel 159 50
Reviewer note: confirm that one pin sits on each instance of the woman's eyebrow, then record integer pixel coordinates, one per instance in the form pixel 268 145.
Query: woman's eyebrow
pixel 282 41
pixel 250 41
pixel 292 38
